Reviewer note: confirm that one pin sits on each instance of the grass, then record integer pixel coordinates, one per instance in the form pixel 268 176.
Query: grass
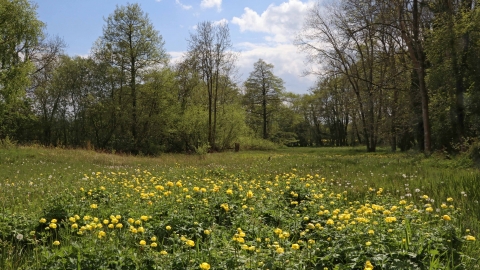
pixel 295 208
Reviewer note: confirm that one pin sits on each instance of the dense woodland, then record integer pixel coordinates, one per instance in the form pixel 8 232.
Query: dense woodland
pixel 397 73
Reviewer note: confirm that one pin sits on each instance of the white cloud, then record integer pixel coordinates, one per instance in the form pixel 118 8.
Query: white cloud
pixel 211 4
pixel 280 22
pixel 186 7
pixel 221 22
pixel 288 64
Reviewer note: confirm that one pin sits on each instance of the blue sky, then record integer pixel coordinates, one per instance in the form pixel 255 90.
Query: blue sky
pixel 258 29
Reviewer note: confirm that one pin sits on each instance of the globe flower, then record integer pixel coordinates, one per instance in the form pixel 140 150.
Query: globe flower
pixel 368 243
pixel 446 218
pixel 368 265
pixel 168 228
pixel 153 239
pixel 153 244
pixel 279 250
pixel 190 243
pixel 204 266
pixel 56 243
pixel 143 242
pixel 163 252
pixel 42 220
pixel 295 246
pixel 101 234
pixel 469 238
pixel 52 225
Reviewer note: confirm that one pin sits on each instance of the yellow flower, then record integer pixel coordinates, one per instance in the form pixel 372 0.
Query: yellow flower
pixel 94 206
pixel 143 242
pixel 72 219
pixel 119 226
pixel 101 234
pixel 450 199
pixel 469 238
pixel 446 218
pixel 153 239
pixel 140 230
pixel 130 220
pixel 53 221
pixel 229 191
pixel 368 265
pixel 111 226
pixel 368 243
pixel 52 225
pixel 153 244
pixel 204 266
pixel 295 246
pixel 144 218
pixel 42 220
pixel 56 243
pixel 279 250
pixel 190 243
pixel 249 194
pixel 168 228
pixel 207 232
pixel 163 252
pixel 371 232
pixel 74 226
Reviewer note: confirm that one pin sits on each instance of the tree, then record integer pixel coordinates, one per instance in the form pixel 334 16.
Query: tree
pixel 20 31
pixel 134 46
pixel 208 53
pixel 412 16
pixel 263 90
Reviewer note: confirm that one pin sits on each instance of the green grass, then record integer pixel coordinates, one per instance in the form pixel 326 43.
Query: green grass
pixel 58 183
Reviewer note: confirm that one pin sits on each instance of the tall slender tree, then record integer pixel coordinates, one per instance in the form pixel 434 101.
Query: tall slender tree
pixel 263 90
pixel 134 46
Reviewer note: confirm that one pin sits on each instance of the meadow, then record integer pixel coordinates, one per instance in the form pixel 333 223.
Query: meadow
pixel 293 208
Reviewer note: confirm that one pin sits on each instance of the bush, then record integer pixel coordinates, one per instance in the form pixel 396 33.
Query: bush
pixel 249 143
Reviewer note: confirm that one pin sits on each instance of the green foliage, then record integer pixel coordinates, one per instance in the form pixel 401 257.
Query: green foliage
pixel 252 143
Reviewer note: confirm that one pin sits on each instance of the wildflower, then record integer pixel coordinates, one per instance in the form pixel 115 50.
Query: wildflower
pixel 42 220
pixel 140 230
pixel 390 219
pixel 143 242
pixel 249 194
pixel 71 219
pixel 204 266
pixel 56 243
pixel 163 252
pixel 153 244
pixel 450 199
pixel 111 226
pixel 74 226
pixel 94 206
pixel 225 207
pixel 368 265
pixel 469 238
pixel 53 225
pixel 207 232
pixel 446 218
pixel 101 234
pixel 279 250
pixel 144 218
pixel 295 246
pixel 119 226
pixel 190 243
pixel 368 243
pixel 371 232
pixel 153 239
pixel 168 228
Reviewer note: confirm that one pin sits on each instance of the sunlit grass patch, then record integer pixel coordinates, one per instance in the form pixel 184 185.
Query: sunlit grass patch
pixel 277 210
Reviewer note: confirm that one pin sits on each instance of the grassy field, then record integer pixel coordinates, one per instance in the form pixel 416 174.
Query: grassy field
pixel 295 208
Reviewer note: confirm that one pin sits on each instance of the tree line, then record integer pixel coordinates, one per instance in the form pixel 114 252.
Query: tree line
pixel 403 73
